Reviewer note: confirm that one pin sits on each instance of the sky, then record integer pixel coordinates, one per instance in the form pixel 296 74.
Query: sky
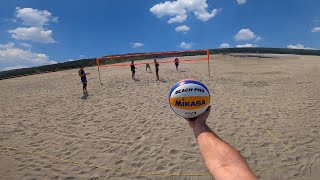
pixel 39 32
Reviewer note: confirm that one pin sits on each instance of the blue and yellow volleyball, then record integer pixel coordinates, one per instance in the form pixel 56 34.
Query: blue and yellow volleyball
pixel 189 98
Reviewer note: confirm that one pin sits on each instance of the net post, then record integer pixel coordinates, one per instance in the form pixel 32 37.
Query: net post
pixel 208 59
pixel 98 65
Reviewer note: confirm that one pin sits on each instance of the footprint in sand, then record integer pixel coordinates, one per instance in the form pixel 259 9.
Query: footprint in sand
pixel 69 178
pixel 159 158
pixel 68 143
pixel 38 169
pixel 119 162
pixel 173 151
pixel 93 178
pixel 159 168
pixel 48 166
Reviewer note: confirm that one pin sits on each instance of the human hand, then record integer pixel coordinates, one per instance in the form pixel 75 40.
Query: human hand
pixel 199 121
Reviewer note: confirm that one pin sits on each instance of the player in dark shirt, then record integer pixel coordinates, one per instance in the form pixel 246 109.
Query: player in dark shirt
pixel 148 67
pixel 157 68
pixel 83 77
pixel 176 62
pixel 133 69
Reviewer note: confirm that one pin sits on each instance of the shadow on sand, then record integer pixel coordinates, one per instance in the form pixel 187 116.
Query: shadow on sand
pixel 84 97
pixel 181 71
pixel 162 80
pixel 137 80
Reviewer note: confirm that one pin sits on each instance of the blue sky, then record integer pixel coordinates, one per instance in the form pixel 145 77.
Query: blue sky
pixel 37 32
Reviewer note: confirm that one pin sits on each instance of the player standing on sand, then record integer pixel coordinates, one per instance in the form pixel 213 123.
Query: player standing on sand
pixel 221 159
pixel 83 77
pixel 133 69
pixel 176 62
pixel 148 66
pixel 157 68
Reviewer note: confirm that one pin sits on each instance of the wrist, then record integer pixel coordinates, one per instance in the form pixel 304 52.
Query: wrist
pixel 200 128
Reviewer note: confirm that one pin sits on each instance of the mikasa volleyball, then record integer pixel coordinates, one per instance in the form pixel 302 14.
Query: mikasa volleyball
pixel 189 98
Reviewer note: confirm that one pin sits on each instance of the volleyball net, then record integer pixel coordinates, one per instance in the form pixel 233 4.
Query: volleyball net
pixel 148 58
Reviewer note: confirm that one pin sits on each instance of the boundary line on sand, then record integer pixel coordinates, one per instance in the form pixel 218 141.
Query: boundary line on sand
pixel 254 120
pixel 251 118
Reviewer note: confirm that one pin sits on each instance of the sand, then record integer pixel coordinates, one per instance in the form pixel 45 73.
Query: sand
pixel 125 129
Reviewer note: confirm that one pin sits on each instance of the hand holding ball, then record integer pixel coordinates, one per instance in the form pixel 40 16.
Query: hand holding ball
pixel 189 98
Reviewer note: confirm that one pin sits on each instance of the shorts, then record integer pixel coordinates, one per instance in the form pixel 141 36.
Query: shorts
pixel 84 84
pixel 133 71
pixel 157 71
pixel 177 64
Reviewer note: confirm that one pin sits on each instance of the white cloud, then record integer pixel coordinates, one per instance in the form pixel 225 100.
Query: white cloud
pixel 178 10
pixel 35 17
pixel 12 57
pixel 241 1
pixel 185 45
pixel 25 45
pixel 244 35
pixel 205 16
pixel 298 46
pixel 12 67
pixel 178 18
pixel 137 45
pixel 36 34
pixel 316 29
pixel 53 62
pixel 182 28
pixel 7 46
pixel 224 45
pixel 36 20
pixel 258 38
pixel 82 56
pixel 245 45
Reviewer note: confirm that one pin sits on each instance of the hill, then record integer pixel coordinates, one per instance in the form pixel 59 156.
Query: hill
pixel 91 61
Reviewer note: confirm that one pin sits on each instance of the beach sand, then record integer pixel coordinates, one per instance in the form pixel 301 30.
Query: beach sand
pixel 125 129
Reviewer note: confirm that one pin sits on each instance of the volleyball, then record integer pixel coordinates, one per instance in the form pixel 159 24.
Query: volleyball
pixel 189 98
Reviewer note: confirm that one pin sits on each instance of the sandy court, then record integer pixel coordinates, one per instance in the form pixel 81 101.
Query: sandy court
pixel 128 125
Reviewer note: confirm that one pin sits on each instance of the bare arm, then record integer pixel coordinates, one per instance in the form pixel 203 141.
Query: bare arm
pixel 83 74
pixel 221 159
